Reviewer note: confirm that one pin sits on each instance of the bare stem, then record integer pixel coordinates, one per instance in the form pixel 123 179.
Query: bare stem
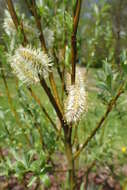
pixel 32 8
pixel 74 40
pixel 15 19
pixel 71 168
pixel 52 100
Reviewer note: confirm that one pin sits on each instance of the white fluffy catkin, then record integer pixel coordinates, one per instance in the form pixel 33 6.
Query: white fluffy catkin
pixel 76 102
pixel 27 63
pixel 10 29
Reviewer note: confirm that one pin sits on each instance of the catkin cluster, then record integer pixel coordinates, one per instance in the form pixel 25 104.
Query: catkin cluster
pixel 10 29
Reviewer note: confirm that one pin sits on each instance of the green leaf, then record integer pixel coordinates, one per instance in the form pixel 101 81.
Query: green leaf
pixel 124 67
pixel 45 179
pixel 82 186
pixel 35 166
pixel 32 180
pixel 20 166
pixel 109 81
pixel 102 85
pixel 67 56
pixel 107 68
pixel 96 9
pixel 1 114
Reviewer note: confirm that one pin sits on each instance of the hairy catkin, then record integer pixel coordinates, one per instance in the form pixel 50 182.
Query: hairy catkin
pixel 76 102
pixel 27 63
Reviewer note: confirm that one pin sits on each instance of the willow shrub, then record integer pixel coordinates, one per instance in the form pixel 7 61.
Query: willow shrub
pixel 40 48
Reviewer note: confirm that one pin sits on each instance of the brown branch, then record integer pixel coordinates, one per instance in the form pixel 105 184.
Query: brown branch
pixel 54 89
pixel 42 107
pixel 15 19
pixel 74 40
pixel 13 13
pixel 57 65
pixel 32 8
pixel 118 28
pixel 64 89
pixel 99 125
pixel 63 67
pixel 52 100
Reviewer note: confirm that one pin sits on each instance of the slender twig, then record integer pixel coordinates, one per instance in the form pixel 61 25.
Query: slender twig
pixel 15 20
pixel 99 125
pixel 54 53
pixel 63 67
pixel 32 8
pixel 74 40
pixel 42 107
pixel 52 100
pixel 75 138
pixel 54 89
pixel 63 75
pixel 13 13
pixel 45 112
pixel 11 105
pixel 57 64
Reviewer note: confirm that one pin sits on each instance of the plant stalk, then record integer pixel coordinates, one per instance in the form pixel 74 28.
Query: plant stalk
pixel 71 170
pixel 69 156
pixel 74 40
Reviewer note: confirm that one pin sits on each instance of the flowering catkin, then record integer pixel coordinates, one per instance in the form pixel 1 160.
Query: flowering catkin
pixel 10 29
pixel 79 78
pixel 8 24
pixel 76 103
pixel 27 63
